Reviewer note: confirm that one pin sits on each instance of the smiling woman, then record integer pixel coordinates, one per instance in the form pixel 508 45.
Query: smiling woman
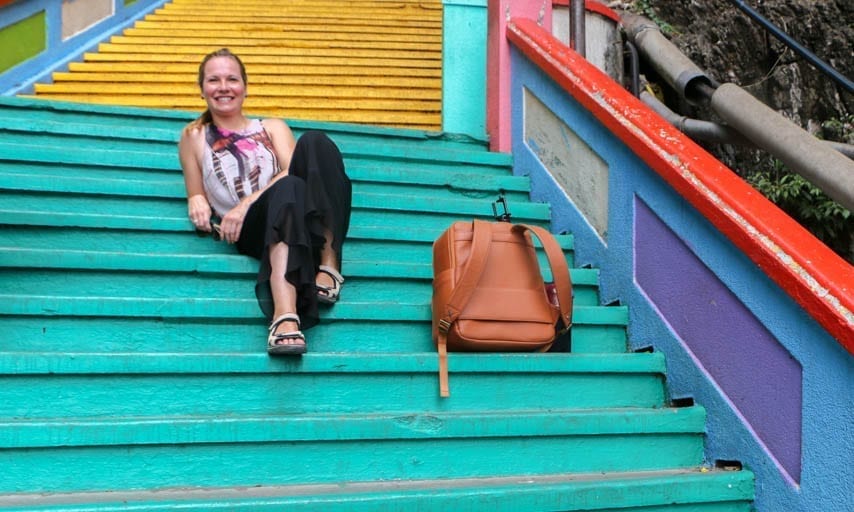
pixel 281 200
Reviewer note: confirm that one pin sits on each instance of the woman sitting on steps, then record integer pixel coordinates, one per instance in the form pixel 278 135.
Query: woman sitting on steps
pixel 282 201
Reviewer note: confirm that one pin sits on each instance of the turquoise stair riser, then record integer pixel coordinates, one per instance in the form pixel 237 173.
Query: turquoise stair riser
pixel 363 265
pixel 176 206
pixel 640 492
pixel 155 335
pixel 70 432
pixel 88 385
pixel 300 462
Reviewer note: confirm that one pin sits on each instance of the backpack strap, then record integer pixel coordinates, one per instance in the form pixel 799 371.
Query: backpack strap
pixel 559 268
pixel 481 239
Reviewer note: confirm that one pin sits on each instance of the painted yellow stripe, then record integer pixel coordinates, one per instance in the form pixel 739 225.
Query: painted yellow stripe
pixel 172 35
pixel 147 53
pixel 433 21
pixel 286 58
pixel 259 72
pixel 154 45
pixel 188 88
pixel 289 102
pixel 280 79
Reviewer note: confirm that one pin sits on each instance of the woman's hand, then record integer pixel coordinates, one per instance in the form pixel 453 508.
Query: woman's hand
pixel 232 223
pixel 200 212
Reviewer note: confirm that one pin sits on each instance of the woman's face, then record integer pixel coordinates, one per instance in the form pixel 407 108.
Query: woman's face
pixel 223 87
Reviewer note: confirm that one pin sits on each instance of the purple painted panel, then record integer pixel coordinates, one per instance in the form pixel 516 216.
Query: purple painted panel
pixel 751 368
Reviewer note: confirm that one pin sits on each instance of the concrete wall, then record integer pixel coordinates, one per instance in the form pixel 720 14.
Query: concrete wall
pixel 42 36
pixel 777 385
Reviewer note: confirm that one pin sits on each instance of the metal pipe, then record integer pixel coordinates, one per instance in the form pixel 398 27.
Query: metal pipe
pixel 696 129
pixel 802 153
pixel 796 46
pixel 668 61
pixel 634 67
pixel 718 133
pixel 576 27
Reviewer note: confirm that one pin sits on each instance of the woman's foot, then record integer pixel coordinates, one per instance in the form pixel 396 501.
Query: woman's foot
pixel 285 337
pixel 328 283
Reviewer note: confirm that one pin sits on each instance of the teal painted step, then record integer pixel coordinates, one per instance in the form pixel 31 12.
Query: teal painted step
pixel 45 385
pixel 665 491
pixel 161 395
pixel 311 450
pixel 248 336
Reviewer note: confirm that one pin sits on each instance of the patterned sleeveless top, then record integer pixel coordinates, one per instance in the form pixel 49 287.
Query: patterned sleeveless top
pixel 236 164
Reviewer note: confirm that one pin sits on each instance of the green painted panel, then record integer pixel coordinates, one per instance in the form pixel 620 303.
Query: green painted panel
pixel 130 2
pixel 22 40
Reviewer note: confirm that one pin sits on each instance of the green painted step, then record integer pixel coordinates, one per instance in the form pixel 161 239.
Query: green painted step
pixel 168 183
pixel 659 491
pixel 90 385
pixel 590 334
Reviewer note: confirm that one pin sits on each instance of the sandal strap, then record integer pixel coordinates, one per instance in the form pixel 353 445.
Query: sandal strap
pixel 331 272
pixel 293 335
pixel 287 317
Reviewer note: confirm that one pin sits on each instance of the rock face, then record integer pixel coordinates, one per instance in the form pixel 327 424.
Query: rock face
pixel 730 47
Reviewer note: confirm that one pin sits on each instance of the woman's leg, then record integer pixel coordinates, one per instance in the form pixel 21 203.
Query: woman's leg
pixel 328 257
pixel 284 293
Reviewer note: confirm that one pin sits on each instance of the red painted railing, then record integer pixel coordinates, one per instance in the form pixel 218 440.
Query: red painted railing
pixel 813 275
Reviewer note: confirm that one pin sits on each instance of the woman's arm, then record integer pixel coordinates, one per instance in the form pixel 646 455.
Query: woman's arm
pixel 283 141
pixel 189 152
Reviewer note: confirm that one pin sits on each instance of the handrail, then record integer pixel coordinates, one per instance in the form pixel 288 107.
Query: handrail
pixel 801 50
pixel 813 275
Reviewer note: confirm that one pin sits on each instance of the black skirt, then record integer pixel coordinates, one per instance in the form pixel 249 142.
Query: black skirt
pixel 296 210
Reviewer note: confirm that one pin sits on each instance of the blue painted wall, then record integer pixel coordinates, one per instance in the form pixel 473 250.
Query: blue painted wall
pixel 56 53
pixel 786 413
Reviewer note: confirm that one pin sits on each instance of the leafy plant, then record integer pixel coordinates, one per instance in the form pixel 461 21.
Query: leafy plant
pixel 829 221
pixel 644 7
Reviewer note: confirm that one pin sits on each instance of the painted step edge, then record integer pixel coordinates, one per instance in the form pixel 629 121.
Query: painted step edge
pixel 61 181
pixel 568 492
pixel 15 257
pixel 183 117
pixel 216 308
pixel 44 433
pixel 35 363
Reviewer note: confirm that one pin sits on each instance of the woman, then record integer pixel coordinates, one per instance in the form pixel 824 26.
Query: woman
pixel 283 201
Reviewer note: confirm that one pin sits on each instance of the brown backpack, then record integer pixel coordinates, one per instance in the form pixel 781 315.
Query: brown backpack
pixel 489 295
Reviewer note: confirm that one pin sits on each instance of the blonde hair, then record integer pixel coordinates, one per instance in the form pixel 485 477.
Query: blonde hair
pixel 206 117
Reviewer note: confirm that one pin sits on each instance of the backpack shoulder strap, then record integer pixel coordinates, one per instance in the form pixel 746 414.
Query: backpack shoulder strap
pixel 481 239
pixel 559 268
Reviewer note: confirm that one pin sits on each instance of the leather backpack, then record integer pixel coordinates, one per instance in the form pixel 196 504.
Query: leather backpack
pixel 489 294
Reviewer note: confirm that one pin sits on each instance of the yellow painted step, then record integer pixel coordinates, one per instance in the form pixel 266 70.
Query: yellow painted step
pixel 188 88
pixel 256 78
pixel 298 32
pixel 375 19
pixel 419 118
pixel 362 61
pixel 259 72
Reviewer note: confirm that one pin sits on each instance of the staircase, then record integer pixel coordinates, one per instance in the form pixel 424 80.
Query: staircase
pixel 375 62
pixel 134 375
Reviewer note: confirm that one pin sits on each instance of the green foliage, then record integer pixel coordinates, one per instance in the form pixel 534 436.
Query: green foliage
pixel 644 7
pixel 829 221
